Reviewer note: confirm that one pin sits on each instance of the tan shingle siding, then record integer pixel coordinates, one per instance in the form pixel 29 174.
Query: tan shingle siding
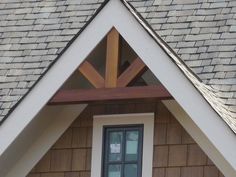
pixel 179 157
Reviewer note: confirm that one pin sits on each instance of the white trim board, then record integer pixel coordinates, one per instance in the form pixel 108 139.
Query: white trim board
pixel 100 121
pixel 115 14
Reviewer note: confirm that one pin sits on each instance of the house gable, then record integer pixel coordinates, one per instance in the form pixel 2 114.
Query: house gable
pixel 114 75
pixel 154 57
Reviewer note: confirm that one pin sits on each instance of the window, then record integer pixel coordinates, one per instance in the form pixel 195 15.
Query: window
pixel 122 145
pixel 122 151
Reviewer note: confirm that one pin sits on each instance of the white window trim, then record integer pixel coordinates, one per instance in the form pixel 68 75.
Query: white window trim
pixel 99 121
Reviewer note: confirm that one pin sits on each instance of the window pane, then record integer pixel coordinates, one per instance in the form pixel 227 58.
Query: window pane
pixel 132 138
pixel 131 170
pixel 114 171
pixel 115 146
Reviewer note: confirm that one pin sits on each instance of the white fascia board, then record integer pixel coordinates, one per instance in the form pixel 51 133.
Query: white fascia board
pixel 115 14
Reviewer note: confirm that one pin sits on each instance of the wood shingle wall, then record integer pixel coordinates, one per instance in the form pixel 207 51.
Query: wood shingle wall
pixel 175 153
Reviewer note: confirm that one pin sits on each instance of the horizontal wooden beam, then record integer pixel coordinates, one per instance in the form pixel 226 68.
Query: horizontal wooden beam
pixel 92 75
pixel 136 69
pixel 109 94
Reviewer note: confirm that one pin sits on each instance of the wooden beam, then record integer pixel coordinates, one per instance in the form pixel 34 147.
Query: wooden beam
pixel 112 59
pixel 92 75
pixel 109 94
pixel 131 73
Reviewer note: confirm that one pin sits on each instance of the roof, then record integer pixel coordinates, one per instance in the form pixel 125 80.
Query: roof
pixel 34 33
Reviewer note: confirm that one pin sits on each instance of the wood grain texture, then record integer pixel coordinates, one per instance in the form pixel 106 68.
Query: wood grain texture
pixel 173 172
pixel 79 137
pixel 135 70
pixel 72 174
pixel 61 160
pixel 112 59
pixel 79 160
pixel 52 174
pixel 109 94
pixel 177 155
pixel 158 172
pixel 192 172
pixel 160 156
pixel 92 75
pixel 170 160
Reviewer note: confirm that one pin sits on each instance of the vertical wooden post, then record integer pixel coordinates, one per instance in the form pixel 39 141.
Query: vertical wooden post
pixel 112 59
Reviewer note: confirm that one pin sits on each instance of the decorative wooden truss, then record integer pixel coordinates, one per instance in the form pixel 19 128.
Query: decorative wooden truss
pixel 113 86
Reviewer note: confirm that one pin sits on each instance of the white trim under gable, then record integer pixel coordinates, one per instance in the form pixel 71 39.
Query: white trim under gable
pixel 147 119
pixel 115 14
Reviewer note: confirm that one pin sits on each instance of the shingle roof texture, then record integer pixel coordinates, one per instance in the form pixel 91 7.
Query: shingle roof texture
pixel 34 32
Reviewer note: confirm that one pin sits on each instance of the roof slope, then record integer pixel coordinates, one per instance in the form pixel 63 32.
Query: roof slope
pixel 203 34
pixel 34 33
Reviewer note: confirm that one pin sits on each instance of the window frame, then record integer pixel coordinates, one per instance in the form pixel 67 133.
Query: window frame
pixel 124 129
pixel 118 120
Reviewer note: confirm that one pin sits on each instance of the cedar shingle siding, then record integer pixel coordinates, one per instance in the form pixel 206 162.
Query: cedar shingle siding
pixel 176 154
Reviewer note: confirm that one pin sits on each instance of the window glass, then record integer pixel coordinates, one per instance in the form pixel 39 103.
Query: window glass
pixel 114 171
pixel 115 146
pixel 123 151
pixel 132 140
pixel 131 170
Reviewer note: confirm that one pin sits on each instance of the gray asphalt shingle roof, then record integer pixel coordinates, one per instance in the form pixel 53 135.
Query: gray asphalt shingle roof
pixel 33 33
